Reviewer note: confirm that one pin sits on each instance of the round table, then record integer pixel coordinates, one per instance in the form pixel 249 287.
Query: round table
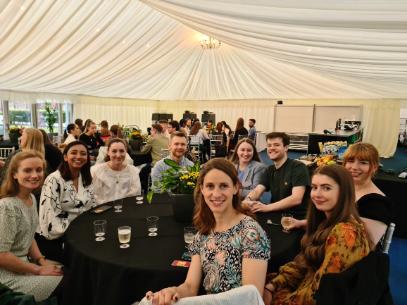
pixel 103 273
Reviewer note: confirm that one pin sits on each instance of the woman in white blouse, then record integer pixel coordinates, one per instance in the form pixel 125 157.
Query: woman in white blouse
pixel 66 193
pixel 115 179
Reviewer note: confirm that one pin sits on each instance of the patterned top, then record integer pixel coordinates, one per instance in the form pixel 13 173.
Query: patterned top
pixel 346 244
pixel 18 223
pixel 222 253
pixel 61 203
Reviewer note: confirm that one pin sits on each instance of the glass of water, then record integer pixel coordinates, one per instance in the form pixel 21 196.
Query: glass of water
pixel 140 198
pixel 286 221
pixel 152 225
pixel 124 234
pixel 118 205
pixel 99 227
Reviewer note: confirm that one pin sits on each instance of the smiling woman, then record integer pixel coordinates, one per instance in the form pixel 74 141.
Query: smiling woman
pixel 115 179
pixel 66 193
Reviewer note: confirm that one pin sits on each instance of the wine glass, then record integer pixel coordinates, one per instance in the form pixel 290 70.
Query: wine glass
pixel 189 233
pixel 124 234
pixel 152 225
pixel 118 205
pixel 99 227
pixel 140 197
pixel 286 220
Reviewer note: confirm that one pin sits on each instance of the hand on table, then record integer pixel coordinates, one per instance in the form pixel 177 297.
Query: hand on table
pixel 166 296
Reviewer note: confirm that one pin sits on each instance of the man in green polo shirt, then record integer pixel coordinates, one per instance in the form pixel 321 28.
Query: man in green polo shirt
pixel 287 180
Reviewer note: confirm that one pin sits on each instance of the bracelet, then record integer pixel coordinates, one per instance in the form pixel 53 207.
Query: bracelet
pixel 37 260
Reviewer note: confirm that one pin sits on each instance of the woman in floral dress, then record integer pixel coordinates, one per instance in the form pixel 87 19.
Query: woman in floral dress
pixel 335 239
pixel 230 248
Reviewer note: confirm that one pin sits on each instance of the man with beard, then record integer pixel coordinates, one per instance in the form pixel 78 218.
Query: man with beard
pixel 177 149
pixel 287 180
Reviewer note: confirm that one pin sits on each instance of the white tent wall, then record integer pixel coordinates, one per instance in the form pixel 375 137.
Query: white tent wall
pixel 403 109
pixel 380 117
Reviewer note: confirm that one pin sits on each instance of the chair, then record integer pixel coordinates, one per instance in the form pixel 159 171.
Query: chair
pixel 5 152
pixel 388 237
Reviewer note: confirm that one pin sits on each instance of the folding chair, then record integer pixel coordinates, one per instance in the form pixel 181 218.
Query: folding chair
pixel 5 152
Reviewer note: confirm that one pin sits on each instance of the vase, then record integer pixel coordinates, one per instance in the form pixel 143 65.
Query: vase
pixel 183 207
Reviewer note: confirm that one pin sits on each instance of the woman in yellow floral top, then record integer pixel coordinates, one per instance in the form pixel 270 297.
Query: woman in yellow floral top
pixel 335 239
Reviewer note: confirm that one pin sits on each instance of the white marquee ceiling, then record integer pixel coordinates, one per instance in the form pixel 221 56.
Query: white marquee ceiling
pixel 149 49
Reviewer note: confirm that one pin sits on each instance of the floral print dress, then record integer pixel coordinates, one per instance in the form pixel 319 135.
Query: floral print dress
pixel 222 253
pixel 346 244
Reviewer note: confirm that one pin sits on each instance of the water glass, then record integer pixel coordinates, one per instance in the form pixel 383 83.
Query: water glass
pixel 118 205
pixel 152 225
pixel 99 227
pixel 286 220
pixel 124 235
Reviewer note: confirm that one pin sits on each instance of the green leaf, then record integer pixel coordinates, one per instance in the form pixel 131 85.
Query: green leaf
pixel 150 196
pixel 172 164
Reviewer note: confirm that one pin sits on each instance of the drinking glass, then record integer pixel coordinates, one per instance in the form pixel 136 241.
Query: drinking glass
pixel 99 227
pixel 140 197
pixel 118 205
pixel 152 225
pixel 124 234
pixel 286 221
pixel 189 233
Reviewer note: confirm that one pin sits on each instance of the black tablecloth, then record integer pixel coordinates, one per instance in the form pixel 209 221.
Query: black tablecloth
pixel 102 273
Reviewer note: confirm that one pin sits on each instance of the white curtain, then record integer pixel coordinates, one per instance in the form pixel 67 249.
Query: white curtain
pixel 149 50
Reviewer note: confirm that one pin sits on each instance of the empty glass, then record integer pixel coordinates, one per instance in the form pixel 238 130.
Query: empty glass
pixel 124 235
pixel 99 227
pixel 118 205
pixel 152 225
pixel 140 198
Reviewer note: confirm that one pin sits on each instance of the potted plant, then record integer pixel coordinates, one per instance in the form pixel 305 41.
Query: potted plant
pixel 51 117
pixel 179 182
pixel 14 133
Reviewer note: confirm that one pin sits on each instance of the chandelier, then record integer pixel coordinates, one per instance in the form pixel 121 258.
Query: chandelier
pixel 208 42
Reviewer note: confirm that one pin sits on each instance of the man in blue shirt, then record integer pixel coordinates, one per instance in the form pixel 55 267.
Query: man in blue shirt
pixel 177 150
pixel 252 130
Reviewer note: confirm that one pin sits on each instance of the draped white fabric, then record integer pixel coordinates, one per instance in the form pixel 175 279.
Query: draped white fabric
pixel 270 49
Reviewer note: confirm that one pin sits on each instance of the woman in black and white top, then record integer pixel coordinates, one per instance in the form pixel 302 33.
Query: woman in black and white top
pixel 66 193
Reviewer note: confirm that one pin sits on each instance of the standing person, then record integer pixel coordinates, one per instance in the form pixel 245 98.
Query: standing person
pixel 79 123
pixel 252 130
pixel 156 144
pixel 66 193
pixel 115 179
pixel 73 132
pixel 220 145
pixel 287 179
pixel 177 148
pixel 249 168
pixel 23 268
pixel 230 249
pixel 90 138
pixel 173 126
pixel 375 209
pixel 335 239
pixel 240 130
pixel 202 139
pixel 228 132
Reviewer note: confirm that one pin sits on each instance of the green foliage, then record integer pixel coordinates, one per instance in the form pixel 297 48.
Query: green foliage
pixel 51 116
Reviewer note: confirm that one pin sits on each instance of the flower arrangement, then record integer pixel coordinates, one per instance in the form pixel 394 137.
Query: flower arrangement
pixel 177 179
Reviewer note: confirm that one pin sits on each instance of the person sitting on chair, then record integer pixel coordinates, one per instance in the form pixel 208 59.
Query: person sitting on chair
pixel 177 149
pixel 335 239
pixel 230 249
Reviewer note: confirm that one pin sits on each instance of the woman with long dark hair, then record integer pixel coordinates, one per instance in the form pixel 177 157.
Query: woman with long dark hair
pixel 66 193
pixel 335 239
pixel 240 130
pixel 230 249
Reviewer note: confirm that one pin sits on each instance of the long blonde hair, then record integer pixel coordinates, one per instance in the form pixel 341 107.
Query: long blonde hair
pixel 35 141
pixel 10 186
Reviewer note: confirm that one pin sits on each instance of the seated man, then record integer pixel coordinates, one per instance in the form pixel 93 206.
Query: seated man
pixel 288 180
pixel 177 149
pixel 156 144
